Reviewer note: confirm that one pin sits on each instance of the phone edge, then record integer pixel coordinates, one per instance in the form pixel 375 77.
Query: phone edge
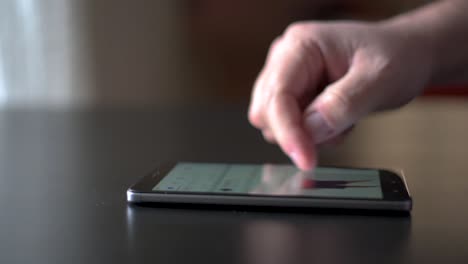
pixel 134 197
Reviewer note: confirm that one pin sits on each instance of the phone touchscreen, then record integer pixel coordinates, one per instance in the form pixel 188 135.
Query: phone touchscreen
pixel 272 180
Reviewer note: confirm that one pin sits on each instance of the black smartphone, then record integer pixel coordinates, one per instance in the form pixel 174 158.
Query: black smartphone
pixel 280 185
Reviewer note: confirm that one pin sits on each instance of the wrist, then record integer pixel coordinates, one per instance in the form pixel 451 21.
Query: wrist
pixel 412 51
pixel 419 43
pixel 439 32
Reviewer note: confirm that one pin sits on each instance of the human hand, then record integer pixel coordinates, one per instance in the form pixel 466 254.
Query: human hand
pixel 319 79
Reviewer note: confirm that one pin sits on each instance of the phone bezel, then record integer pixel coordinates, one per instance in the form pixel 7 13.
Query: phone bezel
pixel 393 186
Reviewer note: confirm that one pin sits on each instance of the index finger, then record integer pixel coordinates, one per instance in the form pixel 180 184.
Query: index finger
pixel 293 75
pixel 285 120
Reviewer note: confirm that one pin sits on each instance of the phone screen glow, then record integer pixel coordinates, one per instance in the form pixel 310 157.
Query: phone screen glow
pixel 281 180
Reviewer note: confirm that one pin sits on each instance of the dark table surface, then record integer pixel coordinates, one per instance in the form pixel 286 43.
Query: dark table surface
pixel 63 177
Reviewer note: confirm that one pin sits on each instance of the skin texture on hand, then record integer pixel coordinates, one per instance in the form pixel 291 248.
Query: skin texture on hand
pixel 442 28
pixel 319 79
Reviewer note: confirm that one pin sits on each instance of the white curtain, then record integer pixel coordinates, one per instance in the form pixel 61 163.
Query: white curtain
pixel 38 53
pixel 75 52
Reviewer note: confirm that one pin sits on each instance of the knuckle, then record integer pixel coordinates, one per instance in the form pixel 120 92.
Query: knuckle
pixel 274 106
pixel 303 37
pixel 255 118
pixel 276 83
pixel 376 61
pixel 296 32
pixel 340 107
pixel 301 30
pixel 275 43
pixel 383 64
pixel 296 28
pixel 268 136
pixel 378 64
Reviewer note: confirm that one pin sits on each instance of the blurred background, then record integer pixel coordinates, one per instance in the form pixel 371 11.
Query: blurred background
pixel 62 53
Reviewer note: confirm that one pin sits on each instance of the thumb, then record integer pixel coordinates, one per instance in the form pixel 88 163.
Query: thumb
pixel 341 105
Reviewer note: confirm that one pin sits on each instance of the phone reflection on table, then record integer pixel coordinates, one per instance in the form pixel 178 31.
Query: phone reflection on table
pixel 200 235
pixel 326 239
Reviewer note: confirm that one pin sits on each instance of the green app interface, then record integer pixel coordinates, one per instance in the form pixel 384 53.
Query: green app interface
pixel 269 179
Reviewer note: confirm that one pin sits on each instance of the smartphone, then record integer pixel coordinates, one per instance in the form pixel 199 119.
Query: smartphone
pixel 277 185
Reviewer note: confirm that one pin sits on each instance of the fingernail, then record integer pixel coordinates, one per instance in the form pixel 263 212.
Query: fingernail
pixel 318 127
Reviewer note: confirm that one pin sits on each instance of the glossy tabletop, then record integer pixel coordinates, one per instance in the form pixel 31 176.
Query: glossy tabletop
pixel 63 177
